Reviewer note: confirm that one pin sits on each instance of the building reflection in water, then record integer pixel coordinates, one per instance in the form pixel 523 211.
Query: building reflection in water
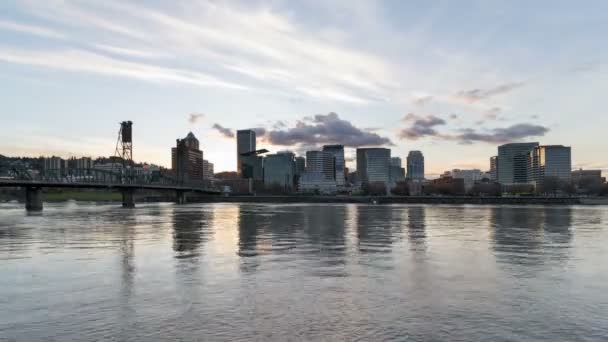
pixel 416 228
pixel 192 226
pixel 531 235
pixel 375 230
pixel 325 242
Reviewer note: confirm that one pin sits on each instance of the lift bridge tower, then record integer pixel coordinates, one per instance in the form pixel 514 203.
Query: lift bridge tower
pixel 124 150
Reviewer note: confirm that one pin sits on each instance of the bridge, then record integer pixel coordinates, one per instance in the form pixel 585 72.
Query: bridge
pixel 122 180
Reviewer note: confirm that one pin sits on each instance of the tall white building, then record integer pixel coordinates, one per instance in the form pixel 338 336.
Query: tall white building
pixel 415 165
pixel 338 153
pixel 373 165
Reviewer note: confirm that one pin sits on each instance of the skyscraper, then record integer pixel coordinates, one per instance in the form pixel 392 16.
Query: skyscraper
pixel 373 165
pixel 513 162
pixel 415 165
pixel 550 161
pixel 338 153
pixel 396 161
pixel 187 160
pixel 300 165
pixel 280 170
pixel 245 143
pixel 494 168
pixel 321 162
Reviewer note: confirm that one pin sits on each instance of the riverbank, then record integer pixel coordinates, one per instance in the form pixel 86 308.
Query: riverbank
pixel 396 200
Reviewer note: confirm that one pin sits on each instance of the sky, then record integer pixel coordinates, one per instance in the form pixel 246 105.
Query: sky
pixel 453 79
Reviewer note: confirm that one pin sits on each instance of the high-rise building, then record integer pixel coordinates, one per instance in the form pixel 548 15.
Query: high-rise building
pixel 207 170
pixel 338 153
pixel 494 168
pixel 187 159
pixel 252 165
pixel 245 143
pixel 550 161
pixel 321 162
pixel 512 163
pixel 415 165
pixel 373 165
pixel 300 165
pixel 280 170
pixel 396 161
pixel 55 166
pixel 397 174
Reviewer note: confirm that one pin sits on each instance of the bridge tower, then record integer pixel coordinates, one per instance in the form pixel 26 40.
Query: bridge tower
pixel 124 151
pixel 124 144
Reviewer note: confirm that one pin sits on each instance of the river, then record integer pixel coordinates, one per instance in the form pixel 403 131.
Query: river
pixel 327 272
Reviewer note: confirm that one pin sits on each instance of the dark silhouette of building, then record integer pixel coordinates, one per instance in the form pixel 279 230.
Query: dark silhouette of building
pixel 187 160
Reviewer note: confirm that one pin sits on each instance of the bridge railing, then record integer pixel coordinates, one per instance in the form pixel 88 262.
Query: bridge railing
pixel 111 177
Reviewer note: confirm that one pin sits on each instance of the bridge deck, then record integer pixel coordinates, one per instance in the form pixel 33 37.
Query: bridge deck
pixel 92 185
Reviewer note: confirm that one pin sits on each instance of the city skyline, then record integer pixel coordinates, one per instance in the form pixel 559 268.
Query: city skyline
pixel 304 75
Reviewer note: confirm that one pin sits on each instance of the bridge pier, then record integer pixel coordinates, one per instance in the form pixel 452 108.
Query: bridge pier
pixel 180 197
pixel 128 200
pixel 33 198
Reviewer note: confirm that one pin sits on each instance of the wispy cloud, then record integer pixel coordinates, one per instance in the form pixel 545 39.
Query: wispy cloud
pixel 84 61
pixel 474 95
pixel 224 131
pixel 30 29
pixel 257 43
pixel 193 118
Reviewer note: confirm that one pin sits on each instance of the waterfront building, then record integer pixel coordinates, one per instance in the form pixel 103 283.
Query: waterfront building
pixel 316 182
pixel 415 165
pixel 591 176
pixel 469 177
pixel 280 170
pixel 512 162
pixel 300 165
pixel 55 166
pixel 245 143
pixel 207 170
pixel 396 161
pixel 252 165
pixel 321 162
pixel 550 161
pixel 337 152
pixel 494 168
pixel 397 174
pixel 373 165
pixel 187 159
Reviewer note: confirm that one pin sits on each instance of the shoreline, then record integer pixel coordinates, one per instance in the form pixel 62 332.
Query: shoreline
pixel 278 199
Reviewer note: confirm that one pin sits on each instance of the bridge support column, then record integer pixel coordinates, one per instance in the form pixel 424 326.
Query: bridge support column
pixel 33 199
pixel 128 200
pixel 180 197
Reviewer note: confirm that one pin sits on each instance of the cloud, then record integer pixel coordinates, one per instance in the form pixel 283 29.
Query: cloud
pixel 255 44
pixel 422 100
pixel 30 29
pixel 84 61
pixel 195 117
pixel 501 135
pixel 474 95
pixel 492 113
pixel 324 129
pixel 226 132
pixel 420 126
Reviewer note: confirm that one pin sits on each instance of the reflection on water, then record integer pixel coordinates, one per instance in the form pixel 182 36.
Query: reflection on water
pixel 220 272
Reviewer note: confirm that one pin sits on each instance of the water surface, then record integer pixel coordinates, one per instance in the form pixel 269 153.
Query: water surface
pixel 241 272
